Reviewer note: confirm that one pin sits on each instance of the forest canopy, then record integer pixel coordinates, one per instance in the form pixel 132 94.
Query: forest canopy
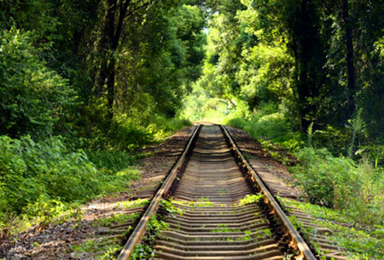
pixel 321 60
pixel 97 65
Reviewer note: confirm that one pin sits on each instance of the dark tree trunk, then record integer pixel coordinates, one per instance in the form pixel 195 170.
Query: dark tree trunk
pixel 111 87
pixel 309 54
pixel 349 59
pixel 305 35
pixel 113 27
pixel 105 47
pixel 112 31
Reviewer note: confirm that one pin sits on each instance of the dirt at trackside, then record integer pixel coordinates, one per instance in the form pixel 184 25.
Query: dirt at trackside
pixel 273 172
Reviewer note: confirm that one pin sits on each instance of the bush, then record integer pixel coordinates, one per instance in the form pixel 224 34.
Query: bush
pixel 29 169
pixel 269 124
pixel 111 160
pixel 33 98
pixel 326 180
pixel 130 130
pixel 40 179
pixel 356 189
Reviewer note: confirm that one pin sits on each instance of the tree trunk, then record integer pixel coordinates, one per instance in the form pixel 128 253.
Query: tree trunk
pixel 349 58
pixel 310 58
pixel 113 27
pixel 106 48
pixel 304 84
pixel 111 87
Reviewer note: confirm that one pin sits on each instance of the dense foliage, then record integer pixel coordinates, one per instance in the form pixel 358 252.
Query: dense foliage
pixel 34 99
pixel 317 62
pixel 101 76
pixel 306 75
pixel 87 68
pixel 38 177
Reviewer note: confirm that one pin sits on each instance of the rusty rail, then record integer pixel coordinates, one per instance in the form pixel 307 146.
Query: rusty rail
pixel 140 229
pixel 305 252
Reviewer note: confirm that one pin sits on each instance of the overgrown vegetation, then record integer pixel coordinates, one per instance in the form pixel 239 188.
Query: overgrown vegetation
pixel 100 249
pixel 156 224
pixel 83 85
pixel 356 189
pixel 41 180
pixel 249 199
pixel 200 202
pixel 353 185
pixel 360 243
pixel 34 99
pixel 108 246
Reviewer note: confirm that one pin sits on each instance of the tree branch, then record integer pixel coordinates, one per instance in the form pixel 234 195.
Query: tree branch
pixel 119 28
pixel 138 8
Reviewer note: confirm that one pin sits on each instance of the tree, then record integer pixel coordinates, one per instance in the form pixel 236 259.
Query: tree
pixel 33 97
pixel 117 13
pixel 349 58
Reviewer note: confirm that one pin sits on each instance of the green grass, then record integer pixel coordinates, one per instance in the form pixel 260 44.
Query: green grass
pixel 249 199
pixel 361 243
pixel 133 203
pixel 99 249
pixel 144 250
pixel 116 219
pixel 224 230
pixel 44 182
pixel 355 188
pixel 201 202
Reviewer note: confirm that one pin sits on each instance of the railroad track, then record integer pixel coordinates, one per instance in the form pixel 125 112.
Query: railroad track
pixel 208 215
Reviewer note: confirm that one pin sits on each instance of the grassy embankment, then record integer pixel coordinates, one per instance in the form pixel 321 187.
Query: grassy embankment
pixel 46 181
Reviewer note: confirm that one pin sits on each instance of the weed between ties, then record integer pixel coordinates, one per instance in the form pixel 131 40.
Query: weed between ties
pixel 156 224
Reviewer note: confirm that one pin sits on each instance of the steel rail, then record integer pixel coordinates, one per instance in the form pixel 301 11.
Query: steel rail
pixel 141 227
pixel 305 252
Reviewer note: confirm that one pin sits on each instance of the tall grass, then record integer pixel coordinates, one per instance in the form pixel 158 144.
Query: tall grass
pixel 128 133
pixel 270 125
pixel 357 189
pixel 41 179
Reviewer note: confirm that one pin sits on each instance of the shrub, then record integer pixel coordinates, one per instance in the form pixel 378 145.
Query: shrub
pixel 33 98
pixel 42 179
pixel 130 130
pixel 29 169
pixel 340 183
pixel 114 160
pixel 327 180
pixel 268 124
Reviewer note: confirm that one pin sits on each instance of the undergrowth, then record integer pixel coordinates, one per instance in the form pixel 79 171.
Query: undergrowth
pixel 356 189
pixel 249 199
pixel 129 132
pixel 361 244
pixel 42 182
pixel 107 247
pixel 99 248
pixel 351 185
